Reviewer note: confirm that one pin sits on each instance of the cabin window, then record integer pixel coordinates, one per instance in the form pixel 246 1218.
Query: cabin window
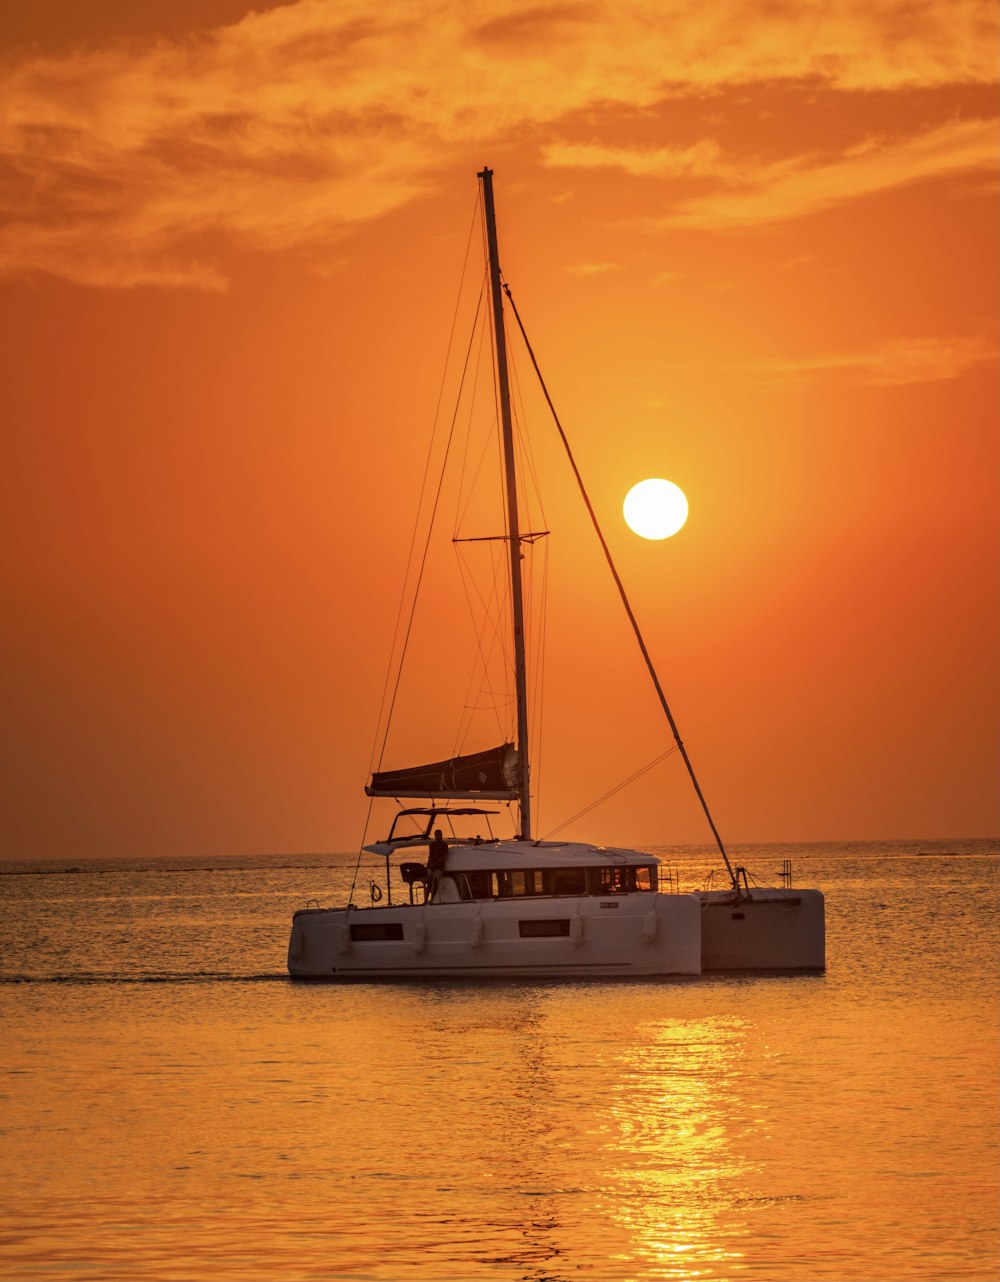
pixel 368 931
pixel 544 928
pixel 480 885
pixel 620 879
pixel 564 881
pixel 608 881
pixel 514 882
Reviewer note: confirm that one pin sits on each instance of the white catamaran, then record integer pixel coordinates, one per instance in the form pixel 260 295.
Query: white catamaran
pixel 482 907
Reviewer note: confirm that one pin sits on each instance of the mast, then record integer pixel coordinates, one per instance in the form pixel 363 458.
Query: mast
pixel 513 528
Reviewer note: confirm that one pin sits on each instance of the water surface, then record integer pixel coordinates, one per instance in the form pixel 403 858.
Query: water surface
pixel 174 1107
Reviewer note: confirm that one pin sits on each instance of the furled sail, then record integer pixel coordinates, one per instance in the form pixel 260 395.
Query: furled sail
pixel 490 775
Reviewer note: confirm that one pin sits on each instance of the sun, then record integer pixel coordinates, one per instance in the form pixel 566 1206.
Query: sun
pixel 655 509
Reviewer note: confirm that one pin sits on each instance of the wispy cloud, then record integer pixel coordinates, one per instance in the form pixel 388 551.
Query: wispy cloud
pixel 700 160
pixel 138 161
pixel 754 193
pixel 792 189
pixel 907 360
pixel 592 269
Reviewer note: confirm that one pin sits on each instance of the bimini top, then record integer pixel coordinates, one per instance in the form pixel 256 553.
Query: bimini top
pixel 426 818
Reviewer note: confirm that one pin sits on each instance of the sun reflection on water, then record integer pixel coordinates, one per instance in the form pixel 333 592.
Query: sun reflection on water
pixel 679 1175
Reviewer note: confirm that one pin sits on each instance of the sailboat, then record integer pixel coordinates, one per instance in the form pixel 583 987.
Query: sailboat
pixel 479 906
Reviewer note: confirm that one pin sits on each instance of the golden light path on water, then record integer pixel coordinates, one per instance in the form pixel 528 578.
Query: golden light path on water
pixel 677 1155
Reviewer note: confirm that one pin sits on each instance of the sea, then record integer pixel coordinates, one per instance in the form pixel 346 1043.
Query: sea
pixel 174 1107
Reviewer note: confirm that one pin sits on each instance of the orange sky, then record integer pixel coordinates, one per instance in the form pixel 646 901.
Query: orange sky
pixel 756 250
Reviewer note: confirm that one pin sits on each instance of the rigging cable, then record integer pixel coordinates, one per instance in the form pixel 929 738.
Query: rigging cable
pixel 413 540
pixel 611 792
pixel 535 621
pixel 423 489
pixel 539 618
pixel 468 492
pixel 423 562
pixel 621 591
pixel 464 499
pixel 483 655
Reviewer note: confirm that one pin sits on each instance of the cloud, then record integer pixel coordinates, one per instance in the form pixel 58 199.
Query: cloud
pixel 907 360
pixel 756 193
pixel 793 189
pixel 145 160
pixel 700 160
pixel 592 269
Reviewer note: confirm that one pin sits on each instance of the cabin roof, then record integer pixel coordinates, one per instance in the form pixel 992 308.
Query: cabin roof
pixel 542 854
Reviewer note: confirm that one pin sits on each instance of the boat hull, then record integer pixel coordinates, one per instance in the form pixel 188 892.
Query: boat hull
pixel 626 936
pixel 763 929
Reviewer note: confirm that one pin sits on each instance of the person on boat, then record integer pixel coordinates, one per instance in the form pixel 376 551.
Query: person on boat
pixel 437 853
